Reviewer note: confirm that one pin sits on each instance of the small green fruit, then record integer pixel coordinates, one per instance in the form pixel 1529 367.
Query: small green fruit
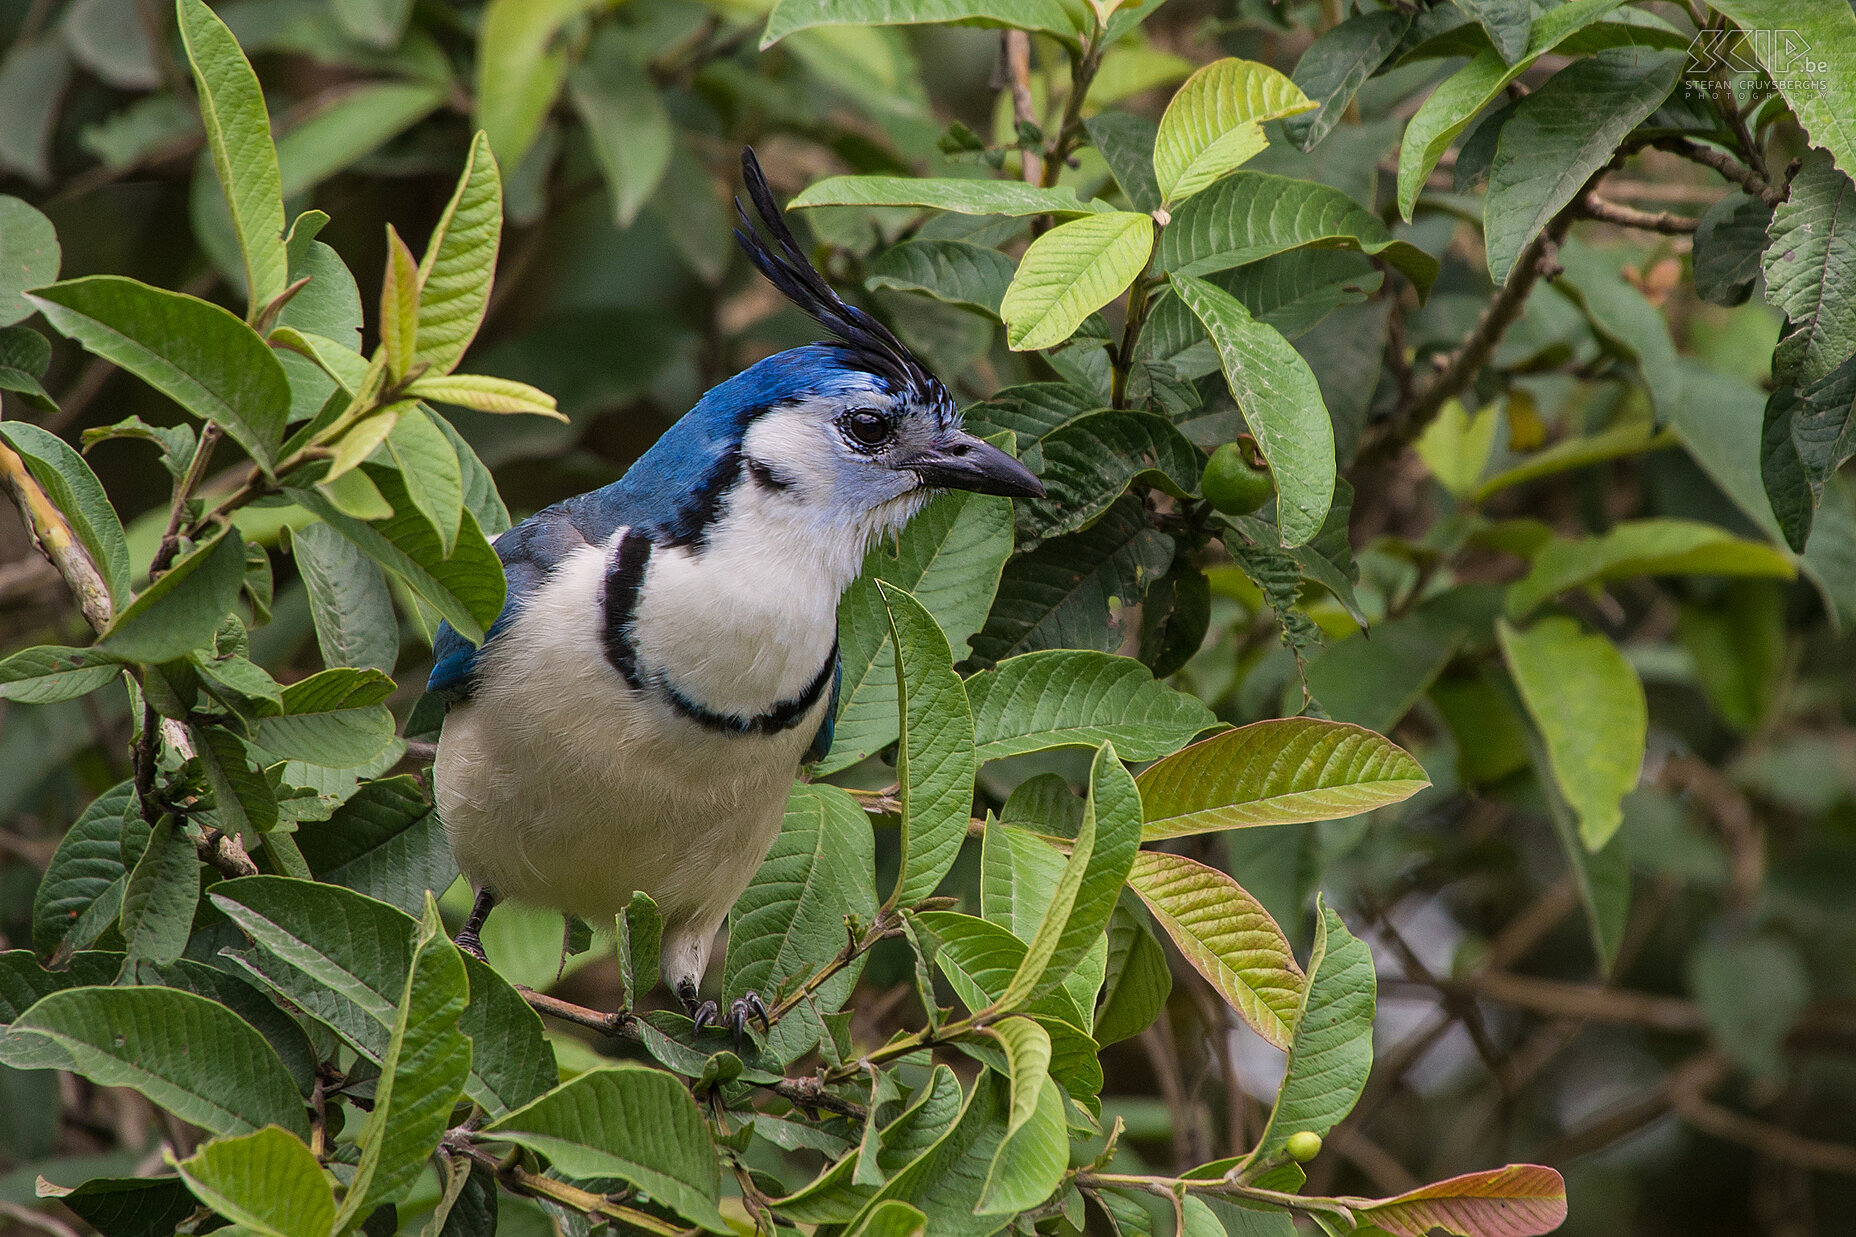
pixel 1232 484
pixel 1303 1146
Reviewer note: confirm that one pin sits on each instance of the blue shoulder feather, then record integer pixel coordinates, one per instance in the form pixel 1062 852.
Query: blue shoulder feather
pixel 821 742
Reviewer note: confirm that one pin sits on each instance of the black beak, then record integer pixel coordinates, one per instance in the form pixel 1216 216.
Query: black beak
pixel 959 461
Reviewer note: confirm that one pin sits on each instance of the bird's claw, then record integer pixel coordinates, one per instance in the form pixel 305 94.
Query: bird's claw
pixel 705 1015
pixel 747 1006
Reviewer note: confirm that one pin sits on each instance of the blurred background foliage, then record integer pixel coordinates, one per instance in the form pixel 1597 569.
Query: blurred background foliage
pixel 1702 1084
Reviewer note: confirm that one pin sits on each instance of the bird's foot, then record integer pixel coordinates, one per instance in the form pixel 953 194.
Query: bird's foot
pixel 468 938
pixel 743 1009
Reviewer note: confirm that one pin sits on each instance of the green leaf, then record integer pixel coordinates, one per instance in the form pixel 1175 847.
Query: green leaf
pixel 29 257
pixel 344 959
pixel 87 863
pixel 243 797
pixel 1729 243
pixel 630 1122
pixel 79 497
pixel 1138 980
pixel 378 23
pixel 1464 94
pixel 348 127
pixel 422 1075
pixel 955 272
pixel 460 258
pixel 834 1197
pixel 1092 879
pixel 466 588
pixel 641 939
pixel 429 468
pixel 1255 215
pixel 160 897
pixel 190 350
pixel 1050 16
pixel 1070 272
pixel 1502 1202
pixel 1456 446
pixel 266 1181
pixel 1752 992
pixel 892 1218
pixel 1020 874
pixel 1811 271
pixel 789 921
pixel 1089 463
pixel 334 719
pixel 1563 133
pixel 1288 771
pixel 348 600
pixel 965 197
pixel 935 765
pixel 1215 122
pixel 520 71
pixel 1823 96
pixel 1281 402
pixel 1228 938
pixel 1059 595
pixel 48 673
pixel 1035 1151
pixel 1079 698
pixel 180 611
pixel 1808 434
pixel 25 355
pixel 1332 1051
pixel 1630 437
pixel 33 76
pixel 626 122
pixel 238 132
pixel 1623 319
pixel 385 841
pixel 1589 706
pixel 1658 547
pixel 949 558
pixel 1126 141
pixel 1336 65
pixel 190 1056
pixel 1506 22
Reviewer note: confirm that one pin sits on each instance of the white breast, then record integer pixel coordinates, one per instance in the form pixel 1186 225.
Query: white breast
pixel 559 786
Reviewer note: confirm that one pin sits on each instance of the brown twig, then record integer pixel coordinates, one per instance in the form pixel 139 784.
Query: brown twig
pixel 1015 58
pixel 1591 206
pixel 54 539
pixel 1687 1095
pixel 516 1178
pixel 1726 165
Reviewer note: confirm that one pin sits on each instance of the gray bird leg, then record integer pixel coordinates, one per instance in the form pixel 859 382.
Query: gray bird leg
pixel 468 938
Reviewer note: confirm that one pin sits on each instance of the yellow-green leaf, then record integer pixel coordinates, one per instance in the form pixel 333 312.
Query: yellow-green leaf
pixel 1590 708
pixel 1070 272
pixel 1215 122
pixel 1227 936
pixel 1287 771
pixel 1644 548
pixel 460 263
pixel 267 1181
pixel 399 306
pixel 238 132
pixel 487 394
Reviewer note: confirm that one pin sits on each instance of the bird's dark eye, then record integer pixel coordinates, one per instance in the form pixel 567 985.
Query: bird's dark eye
pixel 867 429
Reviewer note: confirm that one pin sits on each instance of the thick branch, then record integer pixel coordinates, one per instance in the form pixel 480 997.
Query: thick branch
pixel 55 541
pixel 1015 55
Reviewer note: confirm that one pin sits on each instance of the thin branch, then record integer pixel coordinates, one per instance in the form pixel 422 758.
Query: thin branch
pixel 1591 206
pixel 1687 1096
pixel 1015 58
pixel 514 1177
pixel 1726 165
pixel 1559 999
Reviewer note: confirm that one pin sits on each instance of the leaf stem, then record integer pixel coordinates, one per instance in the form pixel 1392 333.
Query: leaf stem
pixel 521 1181
pixel 1138 300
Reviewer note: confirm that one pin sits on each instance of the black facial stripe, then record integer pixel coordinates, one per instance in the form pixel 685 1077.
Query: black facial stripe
pixel 767 476
pixel 690 529
pixel 622 584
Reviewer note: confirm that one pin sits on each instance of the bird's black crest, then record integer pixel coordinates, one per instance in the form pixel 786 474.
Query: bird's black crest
pixel 787 268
